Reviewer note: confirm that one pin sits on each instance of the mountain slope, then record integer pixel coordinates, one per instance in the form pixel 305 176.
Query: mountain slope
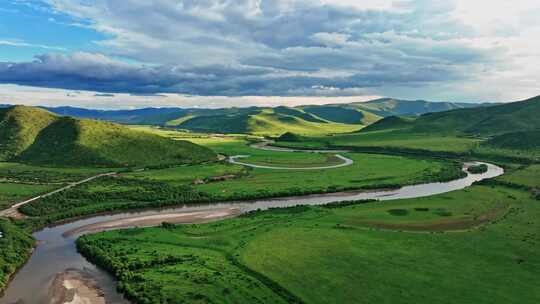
pixel 269 121
pixel 342 114
pixel 19 126
pixel 56 140
pixel 385 107
pixel 482 121
pixel 524 140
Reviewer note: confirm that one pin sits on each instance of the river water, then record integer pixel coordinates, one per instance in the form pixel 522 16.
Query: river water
pixel 56 251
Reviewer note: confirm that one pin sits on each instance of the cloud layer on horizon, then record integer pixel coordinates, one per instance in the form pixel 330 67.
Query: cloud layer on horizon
pixel 281 48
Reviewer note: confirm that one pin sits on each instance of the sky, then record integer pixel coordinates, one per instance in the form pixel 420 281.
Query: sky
pixel 220 53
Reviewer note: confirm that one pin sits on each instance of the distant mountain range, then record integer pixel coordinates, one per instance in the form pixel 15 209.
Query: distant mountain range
pixel 308 119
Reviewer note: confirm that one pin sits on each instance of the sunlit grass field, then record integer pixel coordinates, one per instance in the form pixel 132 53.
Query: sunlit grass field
pixel 411 141
pixel 11 193
pixel 368 170
pixel 527 175
pixel 365 252
pixel 392 139
pixel 21 181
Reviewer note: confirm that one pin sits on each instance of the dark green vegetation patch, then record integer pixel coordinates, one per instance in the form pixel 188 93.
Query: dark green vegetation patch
pixel 526 140
pixel 15 247
pixel 478 169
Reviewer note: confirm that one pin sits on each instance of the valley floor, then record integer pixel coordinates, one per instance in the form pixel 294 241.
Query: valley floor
pixel 477 245
pixel 472 246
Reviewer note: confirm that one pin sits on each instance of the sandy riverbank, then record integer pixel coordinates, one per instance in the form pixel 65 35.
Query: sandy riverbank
pixel 192 217
pixel 75 287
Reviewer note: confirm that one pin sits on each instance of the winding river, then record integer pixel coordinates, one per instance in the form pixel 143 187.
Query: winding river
pixel 56 250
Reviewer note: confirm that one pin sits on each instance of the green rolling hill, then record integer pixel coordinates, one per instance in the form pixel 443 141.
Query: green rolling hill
pixel 305 120
pixel 342 114
pixel 271 121
pixel 37 136
pixel 526 140
pixel 482 121
pixel 19 126
pixel 503 130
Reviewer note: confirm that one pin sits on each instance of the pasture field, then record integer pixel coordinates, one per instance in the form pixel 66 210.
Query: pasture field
pixel 21 181
pixel 11 193
pixel 423 250
pixel 411 141
pixel 528 155
pixel 394 139
pixel 240 146
pixel 188 174
pixel 18 172
pixel 528 176
pixel 367 171
pixel 221 181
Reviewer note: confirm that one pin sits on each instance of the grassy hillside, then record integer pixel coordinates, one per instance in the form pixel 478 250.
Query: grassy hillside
pixel 215 123
pixel 504 132
pixel 342 114
pixel 36 136
pixel 266 122
pixel 483 121
pixel 19 126
pixel 524 140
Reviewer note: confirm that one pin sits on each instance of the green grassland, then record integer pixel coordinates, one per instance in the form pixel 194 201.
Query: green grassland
pixel 368 171
pixel 527 176
pixel 221 181
pixel 24 173
pixel 240 145
pixel 11 193
pixel 232 146
pixel 389 139
pixel 22 181
pixel 477 245
pixel 400 141
pixel 188 174
pixel 395 139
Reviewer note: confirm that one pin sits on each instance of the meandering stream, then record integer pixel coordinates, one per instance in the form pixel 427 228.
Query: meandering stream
pixel 56 250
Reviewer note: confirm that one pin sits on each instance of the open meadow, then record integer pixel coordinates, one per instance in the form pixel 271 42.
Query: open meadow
pixel 424 250
pixel 222 181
